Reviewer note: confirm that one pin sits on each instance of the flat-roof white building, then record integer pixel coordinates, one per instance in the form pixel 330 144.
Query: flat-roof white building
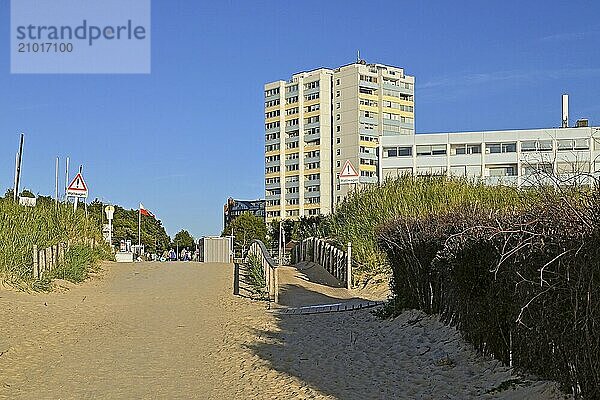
pixel 517 157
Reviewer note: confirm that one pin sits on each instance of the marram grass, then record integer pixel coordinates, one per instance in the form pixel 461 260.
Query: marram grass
pixel 357 218
pixel 44 225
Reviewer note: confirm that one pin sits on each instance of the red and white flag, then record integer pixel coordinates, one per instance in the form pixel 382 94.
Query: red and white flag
pixel 144 211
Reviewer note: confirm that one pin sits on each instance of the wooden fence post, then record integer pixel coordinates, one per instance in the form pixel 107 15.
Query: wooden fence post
pixel 276 285
pixel 55 255
pixel 349 267
pixel 61 252
pixel 36 268
pixel 42 261
pixel 48 258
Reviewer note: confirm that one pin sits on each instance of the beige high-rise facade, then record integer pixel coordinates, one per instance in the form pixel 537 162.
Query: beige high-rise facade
pixel 369 101
pixel 320 119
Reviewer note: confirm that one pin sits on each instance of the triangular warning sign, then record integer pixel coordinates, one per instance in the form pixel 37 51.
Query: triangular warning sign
pixel 77 187
pixel 348 171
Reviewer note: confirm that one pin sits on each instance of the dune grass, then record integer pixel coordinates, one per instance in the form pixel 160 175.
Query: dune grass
pixel 256 275
pixel 358 217
pixel 44 225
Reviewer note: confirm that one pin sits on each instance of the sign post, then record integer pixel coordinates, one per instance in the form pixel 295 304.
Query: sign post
pixel 109 210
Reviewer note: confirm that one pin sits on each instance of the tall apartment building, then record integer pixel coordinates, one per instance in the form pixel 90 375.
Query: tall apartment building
pixel 320 119
pixel 298 145
pixel 370 101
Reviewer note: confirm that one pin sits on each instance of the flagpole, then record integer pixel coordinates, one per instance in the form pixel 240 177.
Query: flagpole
pixel 139 226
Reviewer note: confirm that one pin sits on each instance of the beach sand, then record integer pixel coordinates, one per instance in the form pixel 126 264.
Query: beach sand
pixel 176 331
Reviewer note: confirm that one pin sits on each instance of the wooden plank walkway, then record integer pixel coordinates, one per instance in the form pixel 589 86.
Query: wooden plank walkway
pixel 309 289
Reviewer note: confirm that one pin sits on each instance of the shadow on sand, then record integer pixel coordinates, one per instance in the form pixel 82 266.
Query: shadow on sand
pixel 355 355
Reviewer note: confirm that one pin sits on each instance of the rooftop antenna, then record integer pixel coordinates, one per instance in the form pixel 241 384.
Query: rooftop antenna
pixel 358 56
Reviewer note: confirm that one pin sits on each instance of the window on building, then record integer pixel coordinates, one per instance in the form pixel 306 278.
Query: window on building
pixel 503 170
pixel 338 152
pixel 337 93
pixel 545 145
pixel 405 151
pixel 462 149
pixel 510 147
pixel 577 167
pixel 528 145
pixel 573 144
pixel 338 105
pixel 311 96
pixel 368 102
pixel 271 92
pixel 368 114
pixel 368 78
pixel 337 163
pixel 431 150
pixel 582 144
pixel 495 148
pixel 311 85
pixel 543 168
pixel 565 144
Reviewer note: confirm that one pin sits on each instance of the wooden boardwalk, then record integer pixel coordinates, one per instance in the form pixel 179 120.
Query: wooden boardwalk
pixel 309 289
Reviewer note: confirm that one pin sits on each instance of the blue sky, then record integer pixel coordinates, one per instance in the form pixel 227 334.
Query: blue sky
pixel 185 137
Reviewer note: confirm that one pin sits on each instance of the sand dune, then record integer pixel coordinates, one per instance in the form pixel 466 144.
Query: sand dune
pixel 175 331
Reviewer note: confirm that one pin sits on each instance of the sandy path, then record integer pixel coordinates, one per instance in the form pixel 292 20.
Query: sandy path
pixel 175 331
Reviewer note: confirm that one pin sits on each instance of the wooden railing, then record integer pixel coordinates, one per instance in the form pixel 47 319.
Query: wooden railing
pixel 337 262
pixel 49 258
pixel 258 249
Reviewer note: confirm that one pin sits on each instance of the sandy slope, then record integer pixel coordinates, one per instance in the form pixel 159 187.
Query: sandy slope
pixel 175 331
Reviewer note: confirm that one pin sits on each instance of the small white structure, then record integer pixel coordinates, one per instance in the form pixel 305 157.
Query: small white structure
pixel 216 249
pixel 125 256
pixel 27 201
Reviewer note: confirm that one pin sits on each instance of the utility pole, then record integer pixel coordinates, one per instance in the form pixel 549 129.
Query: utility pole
pixel 56 182
pixel 66 179
pixel 18 161
pixel 280 244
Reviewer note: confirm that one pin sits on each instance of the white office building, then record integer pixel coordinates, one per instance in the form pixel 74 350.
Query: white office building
pixel 519 157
